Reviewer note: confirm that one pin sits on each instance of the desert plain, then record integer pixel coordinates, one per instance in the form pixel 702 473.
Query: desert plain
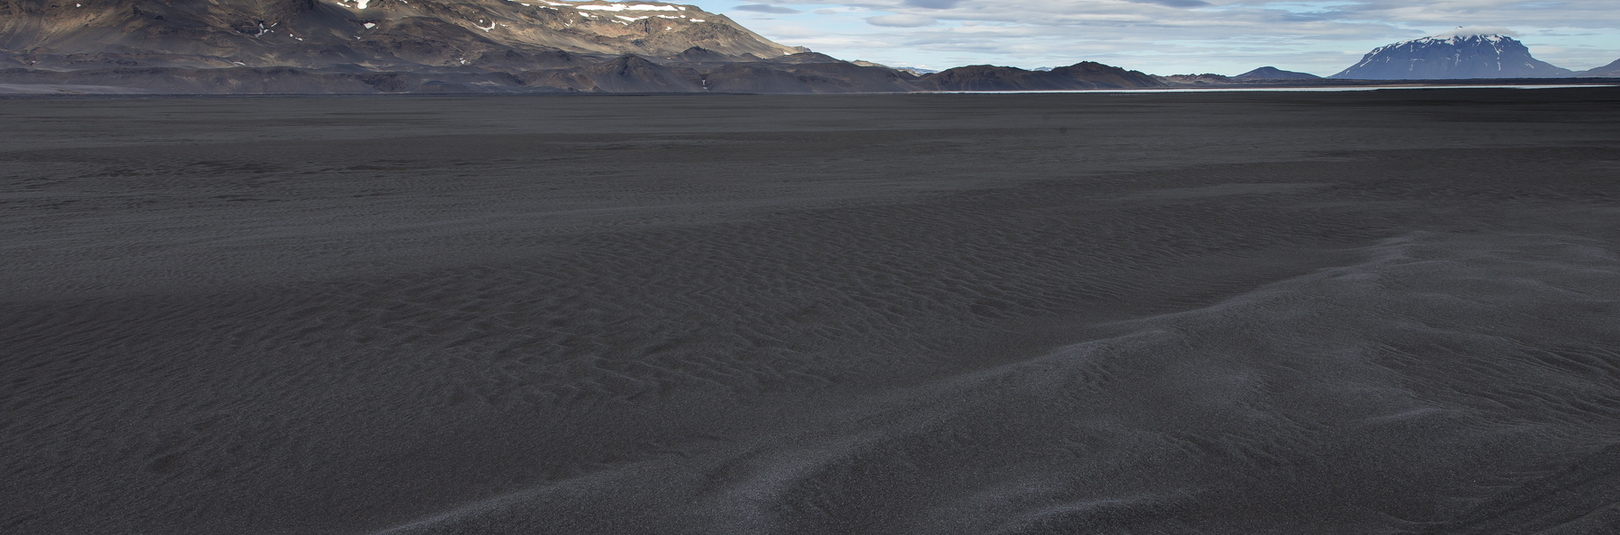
pixel 1391 311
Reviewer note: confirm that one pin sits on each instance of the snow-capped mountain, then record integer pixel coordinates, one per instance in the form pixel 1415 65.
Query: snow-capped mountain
pixel 1472 52
pixel 369 34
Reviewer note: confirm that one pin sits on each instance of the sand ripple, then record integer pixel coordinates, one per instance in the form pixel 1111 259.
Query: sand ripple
pixel 909 314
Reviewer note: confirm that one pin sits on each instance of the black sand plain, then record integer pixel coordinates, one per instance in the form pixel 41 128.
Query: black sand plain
pixel 1360 312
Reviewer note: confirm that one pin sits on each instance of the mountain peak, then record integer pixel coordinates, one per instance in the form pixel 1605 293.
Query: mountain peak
pixel 1467 32
pixel 1466 52
pixel 1463 34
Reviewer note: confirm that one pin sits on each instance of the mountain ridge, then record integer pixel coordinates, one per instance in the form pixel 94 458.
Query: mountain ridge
pixel 625 74
pixel 1611 70
pixel 545 46
pixel 373 34
pixel 473 46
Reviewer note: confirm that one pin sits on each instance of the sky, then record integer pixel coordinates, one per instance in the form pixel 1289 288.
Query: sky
pixel 1167 36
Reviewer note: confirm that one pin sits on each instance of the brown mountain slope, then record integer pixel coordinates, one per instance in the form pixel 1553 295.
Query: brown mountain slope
pixel 371 34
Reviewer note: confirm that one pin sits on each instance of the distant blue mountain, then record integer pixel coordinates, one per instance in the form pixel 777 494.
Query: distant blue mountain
pixel 1463 53
pixel 1611 70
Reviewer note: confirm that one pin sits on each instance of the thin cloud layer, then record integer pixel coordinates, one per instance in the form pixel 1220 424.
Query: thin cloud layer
pixel 765 8
pixel 1173 36
pixel 904 20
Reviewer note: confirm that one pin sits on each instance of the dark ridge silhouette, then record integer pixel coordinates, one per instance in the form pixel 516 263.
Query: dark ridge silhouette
pixel 1273 73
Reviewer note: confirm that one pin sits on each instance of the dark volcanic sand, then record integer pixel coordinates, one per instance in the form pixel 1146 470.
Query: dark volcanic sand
pixel 1383 312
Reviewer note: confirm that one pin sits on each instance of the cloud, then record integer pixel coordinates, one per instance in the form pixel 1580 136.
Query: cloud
pixel 796 33
pixel 763 8
pixel 1175 3
pixel 932 4
pixel 901 21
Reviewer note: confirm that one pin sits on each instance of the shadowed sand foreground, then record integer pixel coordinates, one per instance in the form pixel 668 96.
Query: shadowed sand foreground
pixel 1382 312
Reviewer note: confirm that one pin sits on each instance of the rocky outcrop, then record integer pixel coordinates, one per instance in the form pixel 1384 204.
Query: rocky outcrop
pixel 1084 75
pixel 1206 79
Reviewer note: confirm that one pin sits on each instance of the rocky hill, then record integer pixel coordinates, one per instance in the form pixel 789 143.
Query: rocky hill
pixel 1463 53
pixel 1273 73
pixel 1197 80
pixel 1083 75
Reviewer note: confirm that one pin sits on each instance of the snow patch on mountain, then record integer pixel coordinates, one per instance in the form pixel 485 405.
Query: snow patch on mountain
pixel 629 7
